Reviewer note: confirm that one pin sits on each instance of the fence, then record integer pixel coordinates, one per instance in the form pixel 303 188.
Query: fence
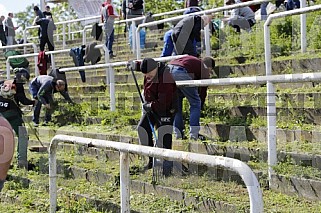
pixel 271 107
pixel 21 45
pixel 110 75
pixel 249 178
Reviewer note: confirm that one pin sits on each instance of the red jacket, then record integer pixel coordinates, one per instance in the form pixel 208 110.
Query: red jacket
pixel 161 92
pixel 196 69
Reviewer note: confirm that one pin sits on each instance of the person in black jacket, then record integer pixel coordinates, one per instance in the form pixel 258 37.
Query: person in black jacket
pixel 2 33
pixel 42 89
pixel 186 31
pixel 160 95
pixel 11 96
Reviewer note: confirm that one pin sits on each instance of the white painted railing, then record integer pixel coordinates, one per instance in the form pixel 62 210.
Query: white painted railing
pixel 110 75
pixel 204 12
pixel 51 53
pixel 271 108
pixel 63 23
pixel 245 172
pixel 133 20
pixel 35 50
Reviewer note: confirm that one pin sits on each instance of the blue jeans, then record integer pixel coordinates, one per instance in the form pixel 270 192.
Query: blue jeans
pixel 191 93
pixel 263 10
pixel 36 111
pixel 109 42
pixel 168 48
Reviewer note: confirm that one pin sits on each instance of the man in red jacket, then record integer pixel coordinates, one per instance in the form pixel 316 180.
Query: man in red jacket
pixel 190 68
pixel 160 106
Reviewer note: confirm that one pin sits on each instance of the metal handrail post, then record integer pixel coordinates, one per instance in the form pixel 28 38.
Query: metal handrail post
pixel 134 45
pixel 63 36
pixel 303 28
pixel 271 107
pixel 124 182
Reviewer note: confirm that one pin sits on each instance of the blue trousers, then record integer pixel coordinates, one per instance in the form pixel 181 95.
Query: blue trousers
pixel 191 93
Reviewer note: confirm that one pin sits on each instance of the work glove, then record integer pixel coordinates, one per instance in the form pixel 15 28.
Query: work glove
pixel 147 107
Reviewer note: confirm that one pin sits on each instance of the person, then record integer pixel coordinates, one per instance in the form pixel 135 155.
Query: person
pixel 160 95
pixel 108 15
pixel 2 33
pixel 186 31
pixel 38 12
pixel 241 18
pixel 190 68
pixel 10 30
pixel 168 48
pixel 191 3
pixel 292 4
pixel 47 12
pixel 47 28
pixel 11 95
pixel 42 89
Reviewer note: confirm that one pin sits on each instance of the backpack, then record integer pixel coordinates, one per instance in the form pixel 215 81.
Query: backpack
pixel 137 4
pixel 42 63
pixel 16 62
pixel 58 75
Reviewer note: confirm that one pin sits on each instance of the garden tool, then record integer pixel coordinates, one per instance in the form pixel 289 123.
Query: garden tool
pixel 41 148
pixel 157 169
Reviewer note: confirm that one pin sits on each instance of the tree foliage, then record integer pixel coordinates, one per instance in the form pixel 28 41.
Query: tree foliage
pixel 60 12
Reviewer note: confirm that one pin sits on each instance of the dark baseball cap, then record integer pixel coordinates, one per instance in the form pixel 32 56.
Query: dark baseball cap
pixel 148 65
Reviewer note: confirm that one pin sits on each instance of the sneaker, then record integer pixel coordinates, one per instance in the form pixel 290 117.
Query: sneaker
pixel 199 137
pixel 35 124
pixel 112 55
pixel 46 123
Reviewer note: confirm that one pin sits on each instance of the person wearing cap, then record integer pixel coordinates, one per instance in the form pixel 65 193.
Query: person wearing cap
pixel 241 18
pixel 42 89
pixel 160 95
pixel 186 31
pixel 10 107
pixel 190 68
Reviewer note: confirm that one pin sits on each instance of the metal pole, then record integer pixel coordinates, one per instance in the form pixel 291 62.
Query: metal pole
pixel 64 36
pixel 271 108
pixel 53 177
pixel 35 50
pixel 303 28
pixel 124 182
pixel 133 28
pixel 207 40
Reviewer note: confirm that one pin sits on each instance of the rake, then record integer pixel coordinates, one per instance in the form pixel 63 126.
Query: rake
pixel 157 172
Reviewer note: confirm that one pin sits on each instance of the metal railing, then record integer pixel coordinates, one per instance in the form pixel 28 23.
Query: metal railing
pixel 245 172
pixel 63 23
pixel 204 12
pixel 271 107
pixel 133 20
pixel 51 53
pixel 110 75
pixel 35 50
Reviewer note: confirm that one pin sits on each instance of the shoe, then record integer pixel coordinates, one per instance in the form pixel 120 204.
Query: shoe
pixel 149 164
pixel 46 123
pixel 35 124
pixel 112 55
pixel 199 137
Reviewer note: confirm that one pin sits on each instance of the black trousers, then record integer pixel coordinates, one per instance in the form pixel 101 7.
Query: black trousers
pixel 43 41
pixel 164 127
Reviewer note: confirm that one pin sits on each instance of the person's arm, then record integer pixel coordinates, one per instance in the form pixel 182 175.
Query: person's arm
pixel 20 96
pixel 66 96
